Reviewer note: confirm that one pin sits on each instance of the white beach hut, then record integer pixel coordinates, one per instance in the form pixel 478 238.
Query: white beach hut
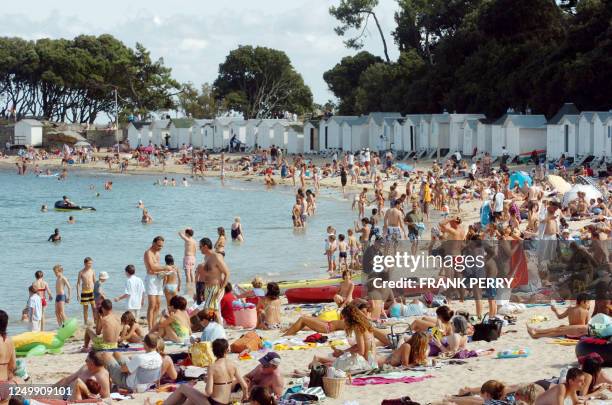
pixel 586 133
pixel 329 131
pixel 208 135
pixel 521 134
pixel 264 134
pixel 160 132
pixel 411 141
pixel 599 133
pixel 440 133
pixel 197 134
pixel 279 133
pixel 238 128
pixel 377 139
pixel 470 136
pixel 484 136
pixel 251 132
pixel 562 132
pixel 457 131
pixel 139 134
pixel 608 135
pixel 180 132
pixel 311 136
pixel 295 139
pixel 28 132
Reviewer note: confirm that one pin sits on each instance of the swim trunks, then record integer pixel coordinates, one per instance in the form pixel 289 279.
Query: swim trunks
pixel 394 231
pixel 189 263
pixel 212 297
pixel 60 298
pixel 342 255
pixel 87 297
pixel 98 344
pixel 153 285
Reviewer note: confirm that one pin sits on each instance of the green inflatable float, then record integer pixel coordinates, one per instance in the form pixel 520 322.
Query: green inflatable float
pixel 30 344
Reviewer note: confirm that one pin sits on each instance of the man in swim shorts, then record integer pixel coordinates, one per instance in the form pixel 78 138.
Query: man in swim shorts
pixel 189 259
pixel 393 225
pixel 106 334
pixel 154 280
pixel 87 279
pixel 214 275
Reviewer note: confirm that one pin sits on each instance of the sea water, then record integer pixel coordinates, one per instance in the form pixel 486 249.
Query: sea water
pixel 114 236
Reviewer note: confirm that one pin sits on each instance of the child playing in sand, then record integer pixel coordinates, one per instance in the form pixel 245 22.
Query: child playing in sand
pixel 577 315
pixel 269 308
pixel 330 251
pixel 172 280
pixel 131 332
pixel 61 297
pixel 42 289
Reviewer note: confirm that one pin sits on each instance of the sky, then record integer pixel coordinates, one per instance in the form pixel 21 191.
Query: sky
pixel 194 36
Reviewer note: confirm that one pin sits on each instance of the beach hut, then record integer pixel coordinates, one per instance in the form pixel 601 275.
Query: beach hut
pixel 180 132
pixel 311 136
pixel 354 133
pixel 160 132
pixel 377 139
pixel 608 135
pixel 398 135
pixel 600 141
pixel 411 139
pixel 279 133
pixel 330 132
pixel 197 134
pixel 238 128
pixel 586 135
pixel 389 134
pixel 520 134
pixel 264 133
pixel 295 139
pixel 251 132
pixel 208 135
pixel 28 132
pixel 139 134
pixel 562 132
pixel 470 136
pixel 484 135
pixel 440 133
pixel 457 131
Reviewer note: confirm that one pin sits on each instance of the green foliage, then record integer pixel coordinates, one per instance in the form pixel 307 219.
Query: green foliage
pixel 197 104
pixel 485 56
pixel 261 82
pixel 74 80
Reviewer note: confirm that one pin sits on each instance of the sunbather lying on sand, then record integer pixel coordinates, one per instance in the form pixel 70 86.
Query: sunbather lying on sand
pixel 578 317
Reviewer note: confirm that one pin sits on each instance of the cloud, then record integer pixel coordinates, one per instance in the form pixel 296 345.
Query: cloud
pixel 193 40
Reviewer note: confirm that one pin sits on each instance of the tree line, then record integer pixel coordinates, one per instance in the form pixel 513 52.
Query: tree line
pixel 477 56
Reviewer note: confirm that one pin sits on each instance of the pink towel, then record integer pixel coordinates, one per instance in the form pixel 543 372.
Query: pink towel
pixel 382 380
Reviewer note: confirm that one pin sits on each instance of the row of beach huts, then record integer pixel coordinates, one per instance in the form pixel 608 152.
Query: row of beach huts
pixel 570 132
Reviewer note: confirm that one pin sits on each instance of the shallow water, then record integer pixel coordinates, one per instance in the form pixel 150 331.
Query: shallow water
pixel 114 237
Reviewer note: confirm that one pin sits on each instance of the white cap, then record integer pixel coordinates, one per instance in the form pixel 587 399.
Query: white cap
pixel 103 275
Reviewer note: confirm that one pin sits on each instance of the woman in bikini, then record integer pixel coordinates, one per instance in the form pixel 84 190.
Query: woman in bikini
pixel 221 376
pixel 8 362
pixel 176 325
pixel 442 321
pixel 413 352
pixel 269 308
pixel 220 243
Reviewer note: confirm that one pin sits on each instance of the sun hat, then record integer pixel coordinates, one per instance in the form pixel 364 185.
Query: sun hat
pixel 103 275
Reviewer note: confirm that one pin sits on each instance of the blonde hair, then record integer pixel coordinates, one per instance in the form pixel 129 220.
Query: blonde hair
pixel 58 268
pixel 161 347
pixel 257 282
pixel 527 393
pixel 237 219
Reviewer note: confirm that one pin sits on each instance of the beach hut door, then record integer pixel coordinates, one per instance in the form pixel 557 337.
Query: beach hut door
pixel 312 139
pixel 566 138
pixel 412 145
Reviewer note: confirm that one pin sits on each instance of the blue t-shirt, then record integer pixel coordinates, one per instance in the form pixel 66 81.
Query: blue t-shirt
pixel 485 213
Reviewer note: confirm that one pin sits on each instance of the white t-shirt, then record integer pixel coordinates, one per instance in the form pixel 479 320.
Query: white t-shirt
pixel 212 332
pixel 351 159
pixel 134 287
pixel 499 202
pixel 35 307
pixel 144 369
pixel 473 168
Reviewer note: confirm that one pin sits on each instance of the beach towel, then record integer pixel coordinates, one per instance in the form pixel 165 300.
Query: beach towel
pixel 361 381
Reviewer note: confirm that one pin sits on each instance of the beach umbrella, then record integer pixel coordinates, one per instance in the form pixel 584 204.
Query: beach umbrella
pixel 559 184
pixel 82 143
pixel 520 178
pixel 589 191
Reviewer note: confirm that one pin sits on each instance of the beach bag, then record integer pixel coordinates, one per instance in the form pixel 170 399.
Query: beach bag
pixel 395 337
pixel 201 354
pixel 246 317
pixel 352 362
pixel 317 373
pixel 600 326
pixel 249 341
pixel 488 330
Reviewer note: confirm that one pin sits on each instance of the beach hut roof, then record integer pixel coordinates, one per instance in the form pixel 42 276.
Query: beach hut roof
pixel 571 118
pixel 161 124
pixel 32 122
pixel 201 122
pixel 140 124
pixel 441 118
pixel 566 109
pixel 296 127
pixel 378 117
pixel 391 121
pixel 182 122
pixel 523 121
pixel 603 115
pixel 486 121
pixel 471 123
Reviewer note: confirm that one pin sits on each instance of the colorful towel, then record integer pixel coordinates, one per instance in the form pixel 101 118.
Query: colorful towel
pixel 384 380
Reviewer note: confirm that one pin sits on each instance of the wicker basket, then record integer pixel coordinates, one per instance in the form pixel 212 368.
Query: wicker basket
pixel 333 387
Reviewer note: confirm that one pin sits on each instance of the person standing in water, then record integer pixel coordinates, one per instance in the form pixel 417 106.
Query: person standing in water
pixel 42 289
pixel 189 259
pixel 236 231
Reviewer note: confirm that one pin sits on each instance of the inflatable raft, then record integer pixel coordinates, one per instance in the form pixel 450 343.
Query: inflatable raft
pixel 307 295
pixel 38 343
pixel 287 284
pixel 60 206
